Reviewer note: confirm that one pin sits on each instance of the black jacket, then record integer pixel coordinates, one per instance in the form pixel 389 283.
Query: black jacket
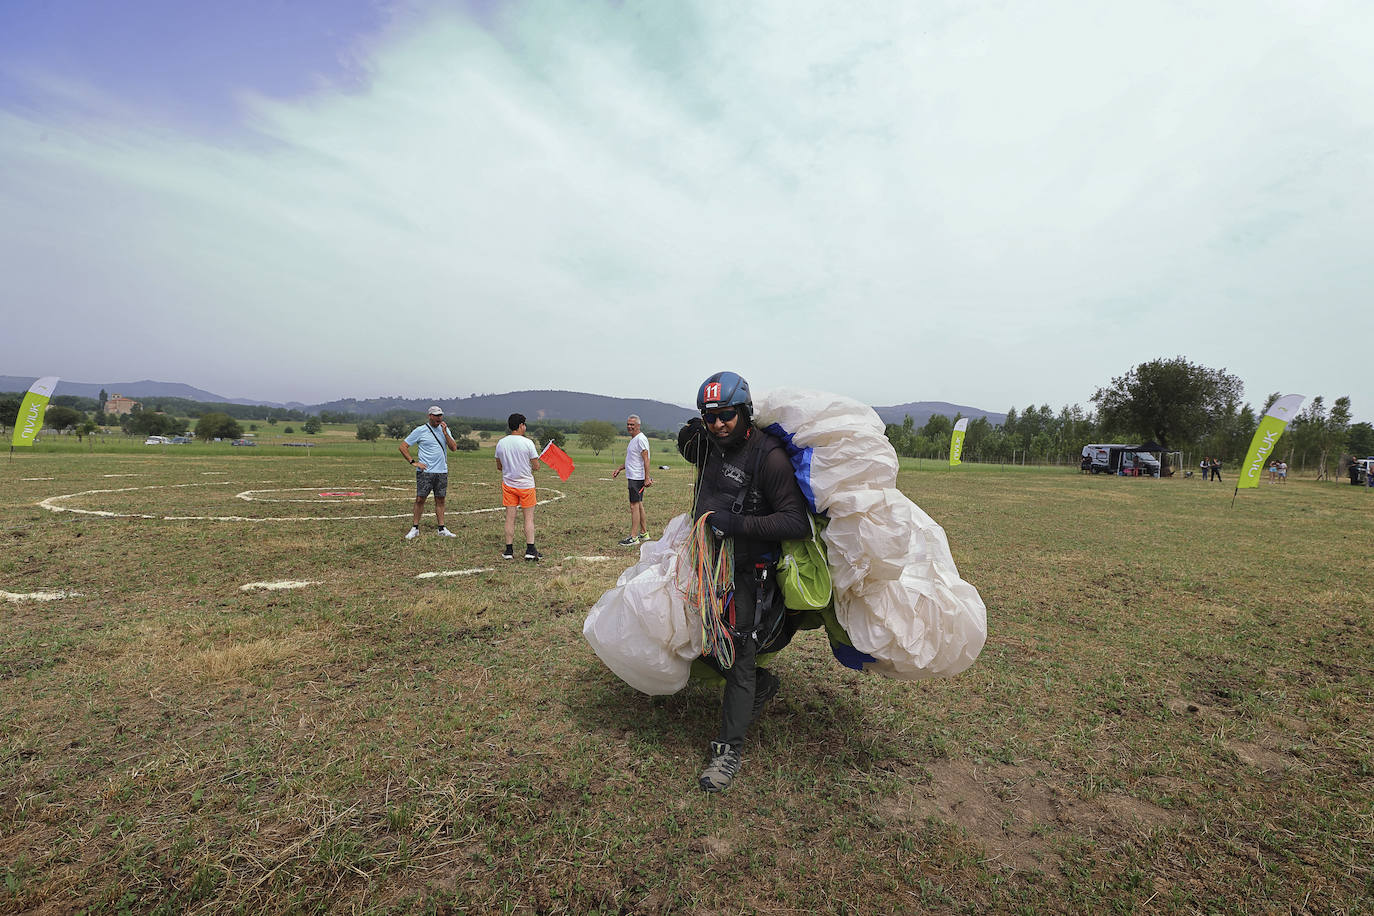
pixel 750 489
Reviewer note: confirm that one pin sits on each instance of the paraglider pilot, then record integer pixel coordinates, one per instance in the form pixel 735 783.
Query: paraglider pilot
pixel 747 491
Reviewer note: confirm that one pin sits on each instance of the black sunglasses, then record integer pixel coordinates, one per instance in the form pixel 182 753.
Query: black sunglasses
pixel 724 416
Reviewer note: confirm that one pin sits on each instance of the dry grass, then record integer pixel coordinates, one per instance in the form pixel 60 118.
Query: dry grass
pixel 1174 712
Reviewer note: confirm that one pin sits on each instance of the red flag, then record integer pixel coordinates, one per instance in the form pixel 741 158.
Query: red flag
pixel 559 460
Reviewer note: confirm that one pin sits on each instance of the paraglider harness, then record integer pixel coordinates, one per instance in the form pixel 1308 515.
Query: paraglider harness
pixel 768 630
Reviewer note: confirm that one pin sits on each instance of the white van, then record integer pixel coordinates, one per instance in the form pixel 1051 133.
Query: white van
pixel 1116 458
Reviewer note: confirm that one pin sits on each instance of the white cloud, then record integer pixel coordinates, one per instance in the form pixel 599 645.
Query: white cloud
pixel 991 205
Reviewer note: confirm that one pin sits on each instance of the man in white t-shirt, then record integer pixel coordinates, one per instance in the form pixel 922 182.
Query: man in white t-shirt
pixel 636 468
pixel 515 459
pixel 430 438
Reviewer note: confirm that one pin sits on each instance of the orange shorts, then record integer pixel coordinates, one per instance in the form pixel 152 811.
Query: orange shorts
pixel 513 496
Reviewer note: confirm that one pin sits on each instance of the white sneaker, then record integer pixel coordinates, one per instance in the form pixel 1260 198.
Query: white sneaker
pixel 411 533
pixel 445 533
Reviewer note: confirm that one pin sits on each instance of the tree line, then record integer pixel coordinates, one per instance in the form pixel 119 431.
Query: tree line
pixel 1172 403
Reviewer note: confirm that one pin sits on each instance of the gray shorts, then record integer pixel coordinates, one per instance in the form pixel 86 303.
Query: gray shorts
pixel 427 483
pixel 636 490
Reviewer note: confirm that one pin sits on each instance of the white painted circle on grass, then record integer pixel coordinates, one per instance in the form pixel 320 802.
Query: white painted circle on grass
pixel 277 586
pixel 333 495
pixel 54 504
pixel 445 573
pixel 37 596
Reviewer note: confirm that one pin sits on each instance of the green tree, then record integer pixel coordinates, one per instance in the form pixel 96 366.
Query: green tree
pixel 104 396
pixel 1321 434
pixel 1360 440
pixel 156 424
pixel 1065 442
pixel 976 438
pixel 61 418
pixel 397 428
pixel 546 433
pixel 312 425
pixel 997 445
pixel 484 435
pixel 596 435
pixel 85 429
pixel 1336 434
pixel 271 421
pixel 9 411
pixel 1168 400
pixel 902 437
pixel 938 428
pixel 368 431
pixel 215 425
pixel 1303 435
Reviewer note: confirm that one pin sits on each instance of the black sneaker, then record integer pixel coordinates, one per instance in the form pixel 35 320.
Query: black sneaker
pixel 629 541
pixel 532 554
pixel 508 554
pixel 766 686
pixel 720 772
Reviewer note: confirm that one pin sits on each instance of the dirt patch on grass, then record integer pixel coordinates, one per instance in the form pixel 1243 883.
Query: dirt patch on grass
pixel 1261 758
pixel 1018 816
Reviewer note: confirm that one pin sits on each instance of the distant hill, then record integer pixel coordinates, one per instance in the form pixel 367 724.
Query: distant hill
pixel 921 411
pixel 574 406
pixel 578 406
pixel 144 389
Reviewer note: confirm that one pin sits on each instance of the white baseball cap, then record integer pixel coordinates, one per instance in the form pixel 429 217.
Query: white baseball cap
pixel 436 411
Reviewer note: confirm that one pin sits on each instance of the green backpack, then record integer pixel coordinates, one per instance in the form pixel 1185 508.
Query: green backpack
pixel 804 571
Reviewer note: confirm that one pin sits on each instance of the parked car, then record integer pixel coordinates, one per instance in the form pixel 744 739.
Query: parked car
pixel 1360 469
pixel 243 442
pixel 157 440
pixel 181 440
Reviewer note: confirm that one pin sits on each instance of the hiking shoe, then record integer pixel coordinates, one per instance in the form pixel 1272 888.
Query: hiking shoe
pixel 508 554
pixel 410 535
pixel 445 533
pixel 720 772
pixel 532 554
pixel 765 688
pixel 629 541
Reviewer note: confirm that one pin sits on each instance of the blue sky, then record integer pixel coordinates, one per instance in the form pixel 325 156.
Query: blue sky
pixel 986 203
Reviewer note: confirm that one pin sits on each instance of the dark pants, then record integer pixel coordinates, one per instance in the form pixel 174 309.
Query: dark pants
pixel 737 700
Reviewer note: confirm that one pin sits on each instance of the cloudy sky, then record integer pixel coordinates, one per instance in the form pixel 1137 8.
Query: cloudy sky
pixel 989 203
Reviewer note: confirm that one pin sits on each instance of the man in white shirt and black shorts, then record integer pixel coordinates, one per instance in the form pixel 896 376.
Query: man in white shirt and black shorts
pixel 636 468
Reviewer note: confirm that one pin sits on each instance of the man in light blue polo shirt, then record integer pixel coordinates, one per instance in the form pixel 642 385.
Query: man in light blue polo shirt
pixel 433 443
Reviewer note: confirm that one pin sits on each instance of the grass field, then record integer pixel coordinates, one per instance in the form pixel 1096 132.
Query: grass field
pixel 1174 712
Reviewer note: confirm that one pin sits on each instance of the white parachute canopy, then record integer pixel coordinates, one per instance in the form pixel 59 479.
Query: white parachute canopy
pixel 642 628
pixel 898 594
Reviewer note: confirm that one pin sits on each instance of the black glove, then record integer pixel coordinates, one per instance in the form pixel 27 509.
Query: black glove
pixel 691 440
pixel 725 523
